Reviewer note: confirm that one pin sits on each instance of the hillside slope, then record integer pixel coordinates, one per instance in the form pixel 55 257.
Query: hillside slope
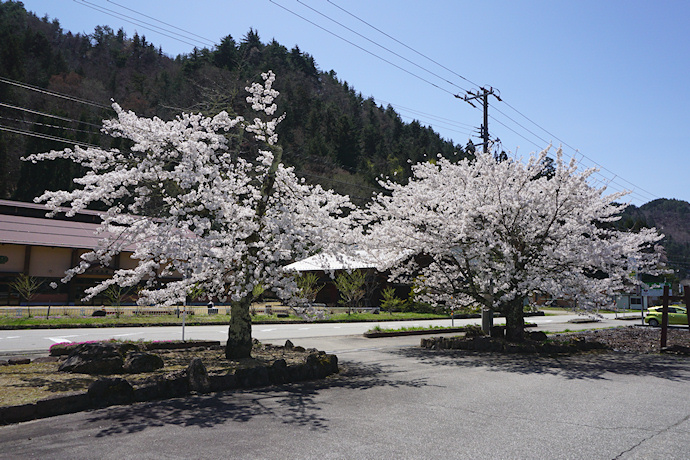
pixel 331 134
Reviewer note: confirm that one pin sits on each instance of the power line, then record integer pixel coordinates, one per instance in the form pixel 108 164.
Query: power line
pixel 446 120
pixel 162 22
pixel 569 146
pixel 360 48
pixel 52 93
pixel 136 22
pixel 381 46
pixel 46 136
pixel 47 125
pixel 88 4
pixel 403 44
pixel 514 121
pixel 35 112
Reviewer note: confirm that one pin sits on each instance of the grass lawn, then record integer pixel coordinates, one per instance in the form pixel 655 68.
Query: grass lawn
pixel 195 320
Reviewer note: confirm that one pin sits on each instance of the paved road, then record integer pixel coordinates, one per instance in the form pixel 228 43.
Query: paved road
pixel 393 400
pixel 39 340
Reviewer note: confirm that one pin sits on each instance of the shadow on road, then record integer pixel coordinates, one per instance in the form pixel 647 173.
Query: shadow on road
pixel 292 404
pixel 579 366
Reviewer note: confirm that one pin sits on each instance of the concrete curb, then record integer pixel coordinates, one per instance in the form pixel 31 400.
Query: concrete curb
pixel 377 334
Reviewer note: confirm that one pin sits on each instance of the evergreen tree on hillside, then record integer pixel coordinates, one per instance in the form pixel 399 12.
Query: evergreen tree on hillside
pixel 330 134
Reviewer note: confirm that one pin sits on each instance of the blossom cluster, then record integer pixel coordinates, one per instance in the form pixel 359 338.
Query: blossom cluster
pixel 187 206
pixel 492 233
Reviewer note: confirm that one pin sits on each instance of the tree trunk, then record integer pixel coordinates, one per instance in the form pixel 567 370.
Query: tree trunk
pixel 240 331
pixel 515 321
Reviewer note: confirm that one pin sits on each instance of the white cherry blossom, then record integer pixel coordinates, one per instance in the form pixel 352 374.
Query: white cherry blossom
pixel 492 233
pixel 197 215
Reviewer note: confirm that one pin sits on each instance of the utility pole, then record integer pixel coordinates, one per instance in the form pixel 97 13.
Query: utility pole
pixel 482 94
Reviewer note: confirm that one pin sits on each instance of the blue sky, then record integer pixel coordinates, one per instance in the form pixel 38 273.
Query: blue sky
pixel 607 79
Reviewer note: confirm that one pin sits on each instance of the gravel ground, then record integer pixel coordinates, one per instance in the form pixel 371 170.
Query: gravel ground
pixel 634 339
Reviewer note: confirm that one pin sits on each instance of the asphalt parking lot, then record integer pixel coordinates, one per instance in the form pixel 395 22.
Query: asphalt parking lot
pixel 395 400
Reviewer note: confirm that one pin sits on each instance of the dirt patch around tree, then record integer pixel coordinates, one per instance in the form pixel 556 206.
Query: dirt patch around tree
pixel 629 339
pixel 40 379
pixel 633 339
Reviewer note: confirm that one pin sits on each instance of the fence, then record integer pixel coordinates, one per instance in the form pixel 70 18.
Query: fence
pixel 24 311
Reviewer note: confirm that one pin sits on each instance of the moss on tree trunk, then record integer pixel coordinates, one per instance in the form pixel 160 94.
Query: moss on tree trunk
pixel 240 331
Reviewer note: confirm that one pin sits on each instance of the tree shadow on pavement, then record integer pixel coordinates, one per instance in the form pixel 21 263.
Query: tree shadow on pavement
pixel 591 366
pixel 293 404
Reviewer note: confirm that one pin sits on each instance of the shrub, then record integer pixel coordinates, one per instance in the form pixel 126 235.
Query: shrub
pixel 473 330
pixel 390 301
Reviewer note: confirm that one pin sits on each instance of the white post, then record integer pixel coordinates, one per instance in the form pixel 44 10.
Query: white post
pixel 184 315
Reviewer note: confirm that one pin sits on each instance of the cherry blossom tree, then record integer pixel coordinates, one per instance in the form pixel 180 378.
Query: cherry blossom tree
pixel 197 215
pixel 489 233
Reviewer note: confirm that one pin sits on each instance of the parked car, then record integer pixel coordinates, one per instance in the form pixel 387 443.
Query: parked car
pixel 676 315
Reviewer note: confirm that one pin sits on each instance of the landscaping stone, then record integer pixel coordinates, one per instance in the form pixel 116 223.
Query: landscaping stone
pixel 174 384
pixel 110 358
pixel 110 391
pixel 197 377
pixel 321 364
pixel 138 362
pixel 498 331
pixel 46 359
pixel 63 404
pixel 14 361
pixel 252 377
pixel 16 414
pixel 538 336
pixel 278 372
pixel 677 350
pixel 223 382
pixel 94 358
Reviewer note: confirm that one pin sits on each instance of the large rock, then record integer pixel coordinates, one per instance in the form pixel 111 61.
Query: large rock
pixel 197 376
pixel 110 358
pixel 137 362
pixel 252 377
pixel 94 358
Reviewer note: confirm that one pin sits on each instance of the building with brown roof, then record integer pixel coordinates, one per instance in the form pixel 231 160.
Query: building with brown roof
pixel 44 248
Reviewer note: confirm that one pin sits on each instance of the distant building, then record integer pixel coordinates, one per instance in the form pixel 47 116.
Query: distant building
pixel 45 248
pixel 327 266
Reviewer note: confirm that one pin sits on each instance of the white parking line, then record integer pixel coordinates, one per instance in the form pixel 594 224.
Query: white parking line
pixel 268 330
pixel 59 340
pixel 125 335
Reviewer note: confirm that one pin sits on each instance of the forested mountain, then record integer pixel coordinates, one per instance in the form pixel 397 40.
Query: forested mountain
pixel 331 134
pixel 672 218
